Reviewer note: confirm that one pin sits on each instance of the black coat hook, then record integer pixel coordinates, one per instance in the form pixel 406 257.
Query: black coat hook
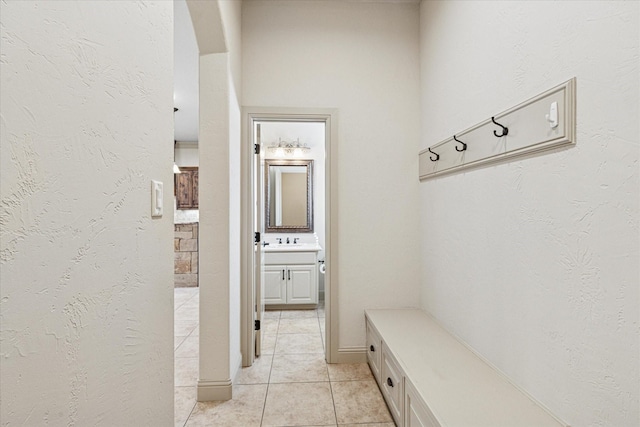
pixel 431 157
pixel 505 130
pixel 464 146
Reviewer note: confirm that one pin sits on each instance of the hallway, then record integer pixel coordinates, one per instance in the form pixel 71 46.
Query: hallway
pixel 289 385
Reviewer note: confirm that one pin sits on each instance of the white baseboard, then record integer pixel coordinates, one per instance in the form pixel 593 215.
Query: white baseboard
pixel 291 307
pixel 214 390
pixel 352 355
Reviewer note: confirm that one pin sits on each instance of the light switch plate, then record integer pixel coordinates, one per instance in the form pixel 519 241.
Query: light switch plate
pixel 156 198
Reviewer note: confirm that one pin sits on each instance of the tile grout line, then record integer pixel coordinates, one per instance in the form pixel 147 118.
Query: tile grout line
pixel 333 401
pixel 266 394
pixel 176 349
pixel 190 413
pixel 273 355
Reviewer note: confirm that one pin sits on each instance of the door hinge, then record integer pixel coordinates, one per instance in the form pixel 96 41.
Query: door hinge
pixel 257 325
pixel 256 148
pixel 256 237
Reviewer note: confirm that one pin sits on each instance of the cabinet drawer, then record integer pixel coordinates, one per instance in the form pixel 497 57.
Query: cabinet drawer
pixel 392 384
pixel 374 347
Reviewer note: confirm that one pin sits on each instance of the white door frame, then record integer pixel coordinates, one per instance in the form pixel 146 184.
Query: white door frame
pixel 330 118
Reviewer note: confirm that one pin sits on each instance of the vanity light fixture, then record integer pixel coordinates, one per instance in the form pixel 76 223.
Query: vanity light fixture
pixel 288 149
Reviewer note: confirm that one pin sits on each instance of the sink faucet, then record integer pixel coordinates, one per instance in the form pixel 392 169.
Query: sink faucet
pixel 279 240
pixel 295 240
pixel 288 241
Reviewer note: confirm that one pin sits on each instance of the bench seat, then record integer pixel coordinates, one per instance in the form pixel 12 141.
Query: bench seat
pixel 429 378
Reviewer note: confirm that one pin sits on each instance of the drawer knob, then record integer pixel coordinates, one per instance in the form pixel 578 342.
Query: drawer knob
pixel 372 348
pixel 389 382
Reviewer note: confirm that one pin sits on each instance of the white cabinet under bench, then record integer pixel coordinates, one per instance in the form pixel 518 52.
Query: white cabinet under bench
pixel 430 379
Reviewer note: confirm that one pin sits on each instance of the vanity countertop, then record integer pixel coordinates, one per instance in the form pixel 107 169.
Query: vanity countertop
pixel 292 247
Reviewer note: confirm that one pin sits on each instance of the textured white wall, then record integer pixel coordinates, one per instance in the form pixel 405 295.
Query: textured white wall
pixel 534 262
pixel 231 13
pixel 214 228
pixel 361 58
pixel 219 171
pixel 87 281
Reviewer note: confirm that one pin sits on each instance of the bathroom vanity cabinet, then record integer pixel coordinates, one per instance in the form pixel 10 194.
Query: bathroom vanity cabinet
pixel 290 277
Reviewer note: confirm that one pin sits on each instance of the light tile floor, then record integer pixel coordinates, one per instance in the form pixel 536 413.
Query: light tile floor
pixel 289 385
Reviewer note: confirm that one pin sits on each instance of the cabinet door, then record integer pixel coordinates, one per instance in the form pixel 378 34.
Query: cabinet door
pixel 301 284
pixel 194 189
pixel 186 187
pixel 392 385
pixel 275 285
pixel 374 350
pixel 417 414
pixel 184 190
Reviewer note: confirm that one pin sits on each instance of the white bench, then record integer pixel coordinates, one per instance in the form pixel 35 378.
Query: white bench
pixel 429 378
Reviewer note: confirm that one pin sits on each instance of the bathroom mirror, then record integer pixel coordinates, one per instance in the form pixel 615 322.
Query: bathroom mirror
pixel 289 196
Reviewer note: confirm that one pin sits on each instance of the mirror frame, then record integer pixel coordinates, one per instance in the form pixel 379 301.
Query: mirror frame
pixel 267 197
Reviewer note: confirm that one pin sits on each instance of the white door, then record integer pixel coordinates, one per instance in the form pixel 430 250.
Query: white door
pixel 258 259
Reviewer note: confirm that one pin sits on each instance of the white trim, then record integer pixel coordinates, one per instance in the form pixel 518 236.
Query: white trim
pixel 330 118
pixel 247 343
pixel 208 391
pixel 352 355
pixel 331 237
pixel 535 135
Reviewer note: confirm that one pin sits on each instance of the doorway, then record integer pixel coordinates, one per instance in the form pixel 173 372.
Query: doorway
pixel 295 147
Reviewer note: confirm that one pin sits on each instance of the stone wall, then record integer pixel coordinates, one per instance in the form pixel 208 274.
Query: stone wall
pixel 185 244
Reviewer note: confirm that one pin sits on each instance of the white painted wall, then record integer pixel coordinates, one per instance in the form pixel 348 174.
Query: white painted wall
pixel 187 154
pixel 361 58
pixel 87 280
pixel 214 265
pixel 231 13
pixel 235 357
pixel 534 262
pixel 217 28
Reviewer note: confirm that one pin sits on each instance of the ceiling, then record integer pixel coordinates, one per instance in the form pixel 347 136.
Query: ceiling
pixel 185 77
